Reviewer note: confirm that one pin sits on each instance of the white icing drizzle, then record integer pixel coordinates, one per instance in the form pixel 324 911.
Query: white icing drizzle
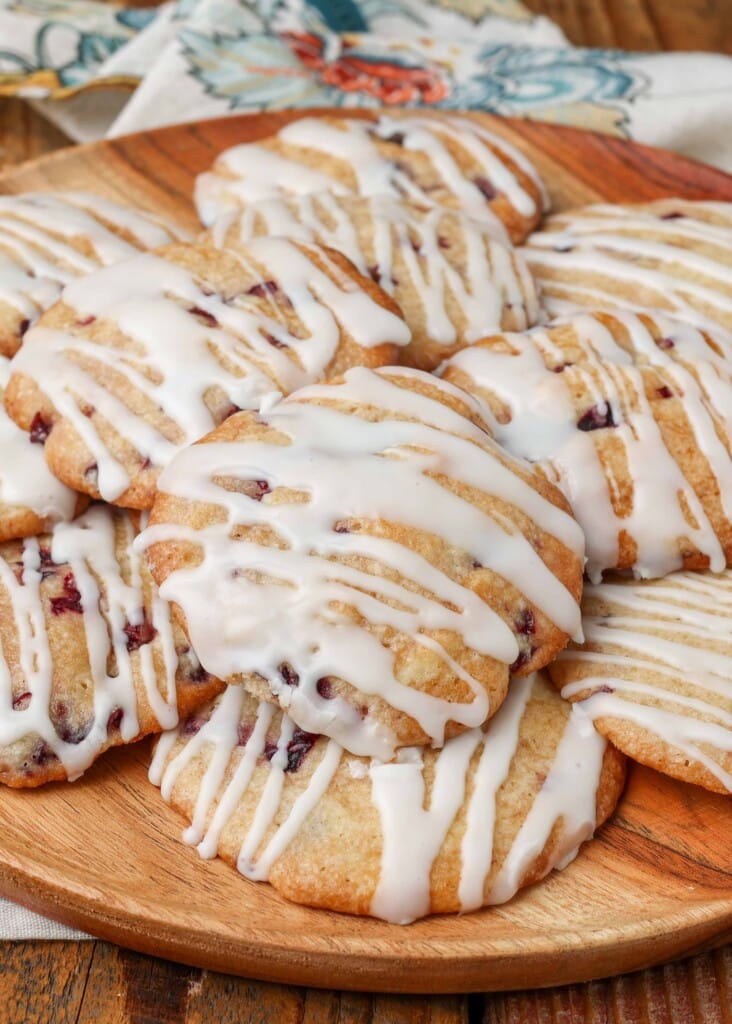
pixel 429 136
pixel 349 466
pixel 405 249
pixel 188 341
pixel 413 834
pixel 543 428
pixel 26 292
pixel 40 236
pixel 25 480
pixel 569 794
pixel 85 552
pixel 349 141
pixel 468 773
pixel 659 635
pixel 251 172
pixel 221 731
pixel 627 249
pixel 498 751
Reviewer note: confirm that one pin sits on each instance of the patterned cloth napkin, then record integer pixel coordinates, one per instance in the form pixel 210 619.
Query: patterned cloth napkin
pixel 111 69
pixel 98 68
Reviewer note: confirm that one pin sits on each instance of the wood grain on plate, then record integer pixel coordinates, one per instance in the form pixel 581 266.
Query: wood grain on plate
pixel 105 853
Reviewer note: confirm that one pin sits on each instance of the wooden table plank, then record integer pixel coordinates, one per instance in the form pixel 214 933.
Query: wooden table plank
pixel 92 982
pixel 643 24
pixel 99 982
pixel 696 991
pixel 43 981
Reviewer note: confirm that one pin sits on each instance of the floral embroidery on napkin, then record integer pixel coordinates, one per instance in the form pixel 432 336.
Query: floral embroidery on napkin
pixel 52 45
pixel 55 47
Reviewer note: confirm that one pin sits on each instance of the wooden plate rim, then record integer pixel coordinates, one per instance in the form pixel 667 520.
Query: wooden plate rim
pixel 484 962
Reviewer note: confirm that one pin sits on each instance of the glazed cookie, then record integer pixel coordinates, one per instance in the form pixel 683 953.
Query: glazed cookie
pixel 49 239
pixel 431 160
pixel 139 359
pixel 364 554
pixel 89 658
pixel 672 256
pixel 630 416
pixel 31 498
pixel 655 673
pixel 431 832
pixel 452 279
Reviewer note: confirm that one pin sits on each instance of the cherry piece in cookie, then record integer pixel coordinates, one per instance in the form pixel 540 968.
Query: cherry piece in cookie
pixel 89 647
pixel 374 590
pixel 457 163
pixel 634 430
pixel 138 360
pixel 432 831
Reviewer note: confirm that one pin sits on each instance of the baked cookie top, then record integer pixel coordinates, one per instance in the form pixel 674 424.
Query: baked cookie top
pixel 31 498
pixel 49 239
pixel 452 278
pixel 141 358
pixel 428 159
pixel 671 256
pixel 363 553
pixel 89 658
pixel 630 416
pixel 655 672
pixel 434 831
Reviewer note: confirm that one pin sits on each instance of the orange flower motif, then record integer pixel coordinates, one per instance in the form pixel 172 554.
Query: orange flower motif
pixel 388 81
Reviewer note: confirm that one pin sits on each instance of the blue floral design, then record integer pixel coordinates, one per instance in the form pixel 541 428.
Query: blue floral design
pixel 517 80
pixel 136 18
pixel 90 38
pixel 93 50
pixel 266 71
pixel 294 53
pixel 257 71
pixel 340 15
pixel 263 71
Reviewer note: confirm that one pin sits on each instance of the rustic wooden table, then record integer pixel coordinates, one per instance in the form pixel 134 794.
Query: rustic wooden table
pixel 84 982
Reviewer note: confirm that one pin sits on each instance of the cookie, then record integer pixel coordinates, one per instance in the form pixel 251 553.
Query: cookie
pixel 672 256
pixel 428 159
pixel 452 279
pixel 31 498
pixel 142 358
pixel 89 658
pixel 630 416
pixel 431 832
pixel 49 239
pixel 364 554
pixel 655 673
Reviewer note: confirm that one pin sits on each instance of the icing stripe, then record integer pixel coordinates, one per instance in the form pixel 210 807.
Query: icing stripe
pixel 47 240
pixel 284 165
pixel 635 258
pixel 455 279
pixel 89 554
pixel 466 778
pixel 25 480
pixel 548 391
pixel 250 607
pixel 663 661
pixel 183 343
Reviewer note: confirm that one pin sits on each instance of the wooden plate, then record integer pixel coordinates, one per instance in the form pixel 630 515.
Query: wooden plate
pixel 105 854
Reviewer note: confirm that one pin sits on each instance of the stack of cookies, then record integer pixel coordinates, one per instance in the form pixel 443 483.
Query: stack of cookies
pixel 314 496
